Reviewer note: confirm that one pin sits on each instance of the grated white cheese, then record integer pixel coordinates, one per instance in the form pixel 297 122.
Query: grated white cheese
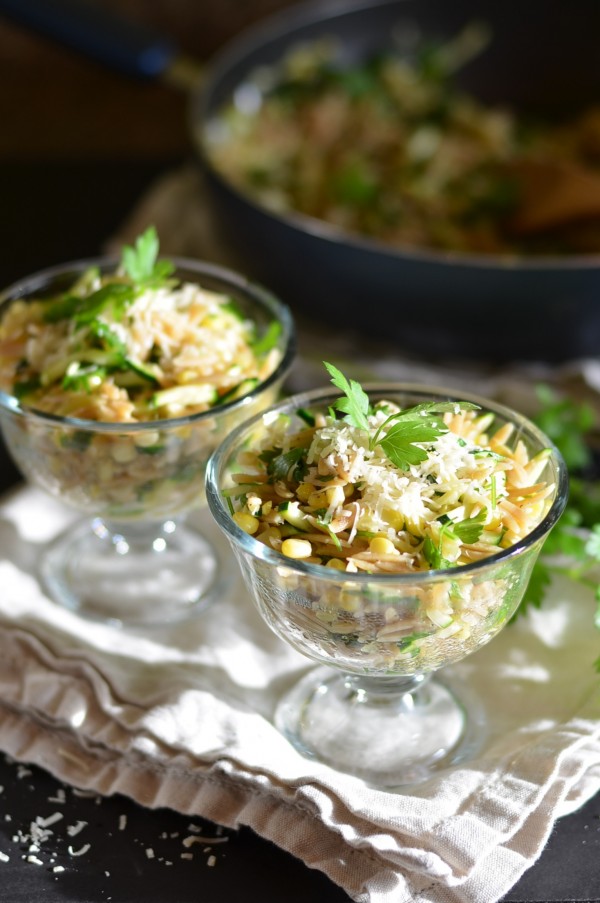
pixel 81 851
pixel 51 820
pixel 198 838
pixel 413 494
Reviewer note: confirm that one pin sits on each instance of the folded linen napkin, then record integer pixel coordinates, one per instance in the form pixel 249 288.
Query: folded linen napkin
pixel 181 718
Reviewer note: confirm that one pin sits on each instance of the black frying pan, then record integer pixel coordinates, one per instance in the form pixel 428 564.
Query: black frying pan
pixel 543 58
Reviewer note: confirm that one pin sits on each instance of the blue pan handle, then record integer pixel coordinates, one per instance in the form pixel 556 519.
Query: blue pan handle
pixel 97 34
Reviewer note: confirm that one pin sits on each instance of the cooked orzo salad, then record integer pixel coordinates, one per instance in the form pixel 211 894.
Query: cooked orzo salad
pixel 133 345
pixel 388 532
pixel 117 384
pixel 383 490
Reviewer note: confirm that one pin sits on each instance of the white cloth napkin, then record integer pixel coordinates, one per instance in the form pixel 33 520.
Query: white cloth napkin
pixel 180 717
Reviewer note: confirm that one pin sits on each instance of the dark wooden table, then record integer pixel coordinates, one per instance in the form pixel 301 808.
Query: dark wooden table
pixel 52 213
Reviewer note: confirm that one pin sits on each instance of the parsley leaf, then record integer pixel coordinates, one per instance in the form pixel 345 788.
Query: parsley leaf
pixel 114 297
pixel 269 340
pixel 140 262
pixel 433 555
pixel 62 308
pixel 356 403
pixel 280 466
pixel 433 409
pixel 421 423
pixel 566 424
pixel 398 443
pixel 592 546
pixel 469 530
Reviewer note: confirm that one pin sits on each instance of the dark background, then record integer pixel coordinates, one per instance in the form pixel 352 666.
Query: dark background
pixel 55 106
pixel 63 117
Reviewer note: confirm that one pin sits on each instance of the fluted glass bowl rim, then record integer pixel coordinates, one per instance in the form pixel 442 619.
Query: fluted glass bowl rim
pixel 27 286
pixel 258 550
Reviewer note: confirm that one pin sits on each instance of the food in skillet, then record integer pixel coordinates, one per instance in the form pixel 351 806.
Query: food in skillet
pixel 391 149
pixel 374 489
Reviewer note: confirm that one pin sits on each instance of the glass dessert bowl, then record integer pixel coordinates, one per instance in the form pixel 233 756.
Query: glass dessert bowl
pixel 386 549
pixel 121 430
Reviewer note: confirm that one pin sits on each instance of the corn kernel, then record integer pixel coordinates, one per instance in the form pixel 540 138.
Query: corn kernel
pixel 147 439
pixel 393 518
pixel 296 548
pixel 246 522
pixel 380 545
pixel 123 452
pixel 337 564
pixel 349 601
pixel 318 499
pixel 335 495
pixel 304 490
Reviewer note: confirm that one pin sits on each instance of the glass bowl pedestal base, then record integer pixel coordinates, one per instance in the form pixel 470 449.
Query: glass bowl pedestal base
pixel 133 573
pixel 392 732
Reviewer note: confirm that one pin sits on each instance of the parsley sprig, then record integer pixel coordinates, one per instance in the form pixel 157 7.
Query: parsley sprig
pixel 356 405
pixel 402 433
pixel 141 263
pixel 94 310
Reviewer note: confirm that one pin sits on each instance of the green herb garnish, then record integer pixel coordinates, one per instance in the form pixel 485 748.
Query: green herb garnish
pixel 140 261
pixel 576 537
pixel 399 441
pixel 269 340
pixel 468 531
pixel 433 554
pixel 305 415
pixel 399 434
pixel 355 406
pixel 280 465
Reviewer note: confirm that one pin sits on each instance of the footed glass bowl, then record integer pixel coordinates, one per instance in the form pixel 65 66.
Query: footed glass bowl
pixel 133 559
pixel 380 706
